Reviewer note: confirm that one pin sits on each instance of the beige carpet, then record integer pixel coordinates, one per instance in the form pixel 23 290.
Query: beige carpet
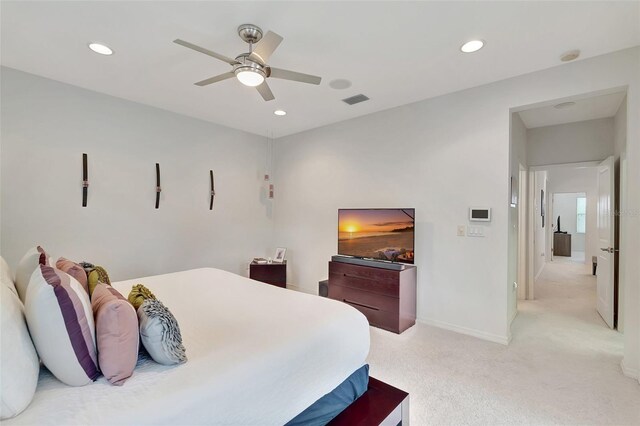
pixel 562 366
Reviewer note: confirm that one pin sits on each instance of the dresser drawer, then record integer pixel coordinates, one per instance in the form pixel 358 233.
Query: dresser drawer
pixel 380 319
pixel 373 301
pixel 376 280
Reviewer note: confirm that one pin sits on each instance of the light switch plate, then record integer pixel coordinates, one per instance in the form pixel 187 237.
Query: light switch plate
pixel 461 230
pixel 475 231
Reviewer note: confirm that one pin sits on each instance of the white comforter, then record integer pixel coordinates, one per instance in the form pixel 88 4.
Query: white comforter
pixel 258 355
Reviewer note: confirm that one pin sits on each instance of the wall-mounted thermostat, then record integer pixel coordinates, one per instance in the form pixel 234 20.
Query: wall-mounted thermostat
pixel 480 214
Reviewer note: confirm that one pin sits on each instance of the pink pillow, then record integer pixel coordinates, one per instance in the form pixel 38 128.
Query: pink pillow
pixel 75 270
pixel 117 333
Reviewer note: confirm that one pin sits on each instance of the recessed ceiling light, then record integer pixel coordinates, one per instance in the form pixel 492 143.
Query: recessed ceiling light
pixel 570 55
pixel 100 48
pixel 472 46
pixel 564 105
pixel 280 112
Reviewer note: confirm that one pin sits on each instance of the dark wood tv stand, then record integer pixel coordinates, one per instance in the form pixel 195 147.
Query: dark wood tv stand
pixel 386 297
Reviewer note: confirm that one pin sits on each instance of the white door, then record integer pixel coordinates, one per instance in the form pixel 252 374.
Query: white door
pixel 606 255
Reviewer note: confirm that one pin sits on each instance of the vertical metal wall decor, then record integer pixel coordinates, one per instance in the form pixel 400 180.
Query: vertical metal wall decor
pixel 158 189
pixel 85 180
pixel 213 190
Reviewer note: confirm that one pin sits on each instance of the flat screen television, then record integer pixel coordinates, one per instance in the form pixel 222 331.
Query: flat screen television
pixel 384 234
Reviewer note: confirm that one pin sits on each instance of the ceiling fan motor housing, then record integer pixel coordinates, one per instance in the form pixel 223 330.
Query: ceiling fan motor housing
pixel 250 33
pixel 246 64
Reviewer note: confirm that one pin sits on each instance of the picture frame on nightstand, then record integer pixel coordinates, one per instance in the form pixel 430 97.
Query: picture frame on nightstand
pixel 280 255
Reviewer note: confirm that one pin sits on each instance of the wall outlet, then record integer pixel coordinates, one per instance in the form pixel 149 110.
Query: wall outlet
pixel 462 230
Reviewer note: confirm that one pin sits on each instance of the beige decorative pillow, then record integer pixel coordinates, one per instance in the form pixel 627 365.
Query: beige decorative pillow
pixel 19 362
pixel 6 279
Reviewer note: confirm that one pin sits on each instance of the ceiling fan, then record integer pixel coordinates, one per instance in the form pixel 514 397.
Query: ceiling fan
pixel 251 68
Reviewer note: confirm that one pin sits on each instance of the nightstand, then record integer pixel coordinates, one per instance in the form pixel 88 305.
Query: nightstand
pixel 270 273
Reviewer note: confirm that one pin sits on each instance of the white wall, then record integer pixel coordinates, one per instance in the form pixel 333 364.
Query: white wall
pixel 589 140
pixel 440 156
pixel 46 126
pixel 565 207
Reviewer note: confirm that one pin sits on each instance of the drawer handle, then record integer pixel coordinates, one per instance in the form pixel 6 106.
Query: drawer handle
pixel 360 304
pixel 356 276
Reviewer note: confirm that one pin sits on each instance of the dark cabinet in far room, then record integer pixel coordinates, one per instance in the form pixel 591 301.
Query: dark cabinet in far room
pixel 270 273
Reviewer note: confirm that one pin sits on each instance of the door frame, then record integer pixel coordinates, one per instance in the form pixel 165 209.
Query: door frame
pixel 523 203
pixel 531 217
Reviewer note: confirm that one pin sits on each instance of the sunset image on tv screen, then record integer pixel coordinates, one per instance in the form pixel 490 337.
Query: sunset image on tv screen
pixel 385 234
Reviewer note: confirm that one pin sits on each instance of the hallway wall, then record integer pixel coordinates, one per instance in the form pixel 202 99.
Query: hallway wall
pixel 590 140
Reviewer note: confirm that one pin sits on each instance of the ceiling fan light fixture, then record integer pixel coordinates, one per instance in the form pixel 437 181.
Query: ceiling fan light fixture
pixel 249 76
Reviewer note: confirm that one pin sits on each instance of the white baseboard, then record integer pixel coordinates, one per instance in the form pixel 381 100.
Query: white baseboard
pixel 503 340
pixel 539 272
pixel 630 372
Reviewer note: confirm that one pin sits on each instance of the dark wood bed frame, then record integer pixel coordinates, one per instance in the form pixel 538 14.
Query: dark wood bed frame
pixel 381 404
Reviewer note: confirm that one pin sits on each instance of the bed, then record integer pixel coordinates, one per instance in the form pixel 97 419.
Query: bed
pixel 258 354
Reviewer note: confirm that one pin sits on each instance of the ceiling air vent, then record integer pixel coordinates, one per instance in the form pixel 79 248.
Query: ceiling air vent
pixel 355 99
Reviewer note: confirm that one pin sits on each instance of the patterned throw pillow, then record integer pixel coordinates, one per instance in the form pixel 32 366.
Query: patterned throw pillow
pixel 75 270
pixel 160 333
pixel 116 333
pixel 97 275
pixel 139 293
pixel 61 324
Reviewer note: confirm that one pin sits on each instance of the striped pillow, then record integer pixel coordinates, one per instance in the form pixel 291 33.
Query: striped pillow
pixel 29 262
pixel 61 324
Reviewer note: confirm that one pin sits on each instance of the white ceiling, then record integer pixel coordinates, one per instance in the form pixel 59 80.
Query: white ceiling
pixel 393 52
pixel 590 108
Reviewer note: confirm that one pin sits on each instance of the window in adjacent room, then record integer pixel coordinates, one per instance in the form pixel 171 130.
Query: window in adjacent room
pixel 581 215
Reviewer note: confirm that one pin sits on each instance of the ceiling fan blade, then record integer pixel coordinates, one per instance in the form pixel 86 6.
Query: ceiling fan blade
pixel 215 79
pixel 205 51
pixel 265 91
pixel 265 47
pixel 294 76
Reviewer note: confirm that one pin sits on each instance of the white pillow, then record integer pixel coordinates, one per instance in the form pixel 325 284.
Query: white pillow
pixel 6 279
pixel 27 265
pixel 19 364
pixel 61 323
